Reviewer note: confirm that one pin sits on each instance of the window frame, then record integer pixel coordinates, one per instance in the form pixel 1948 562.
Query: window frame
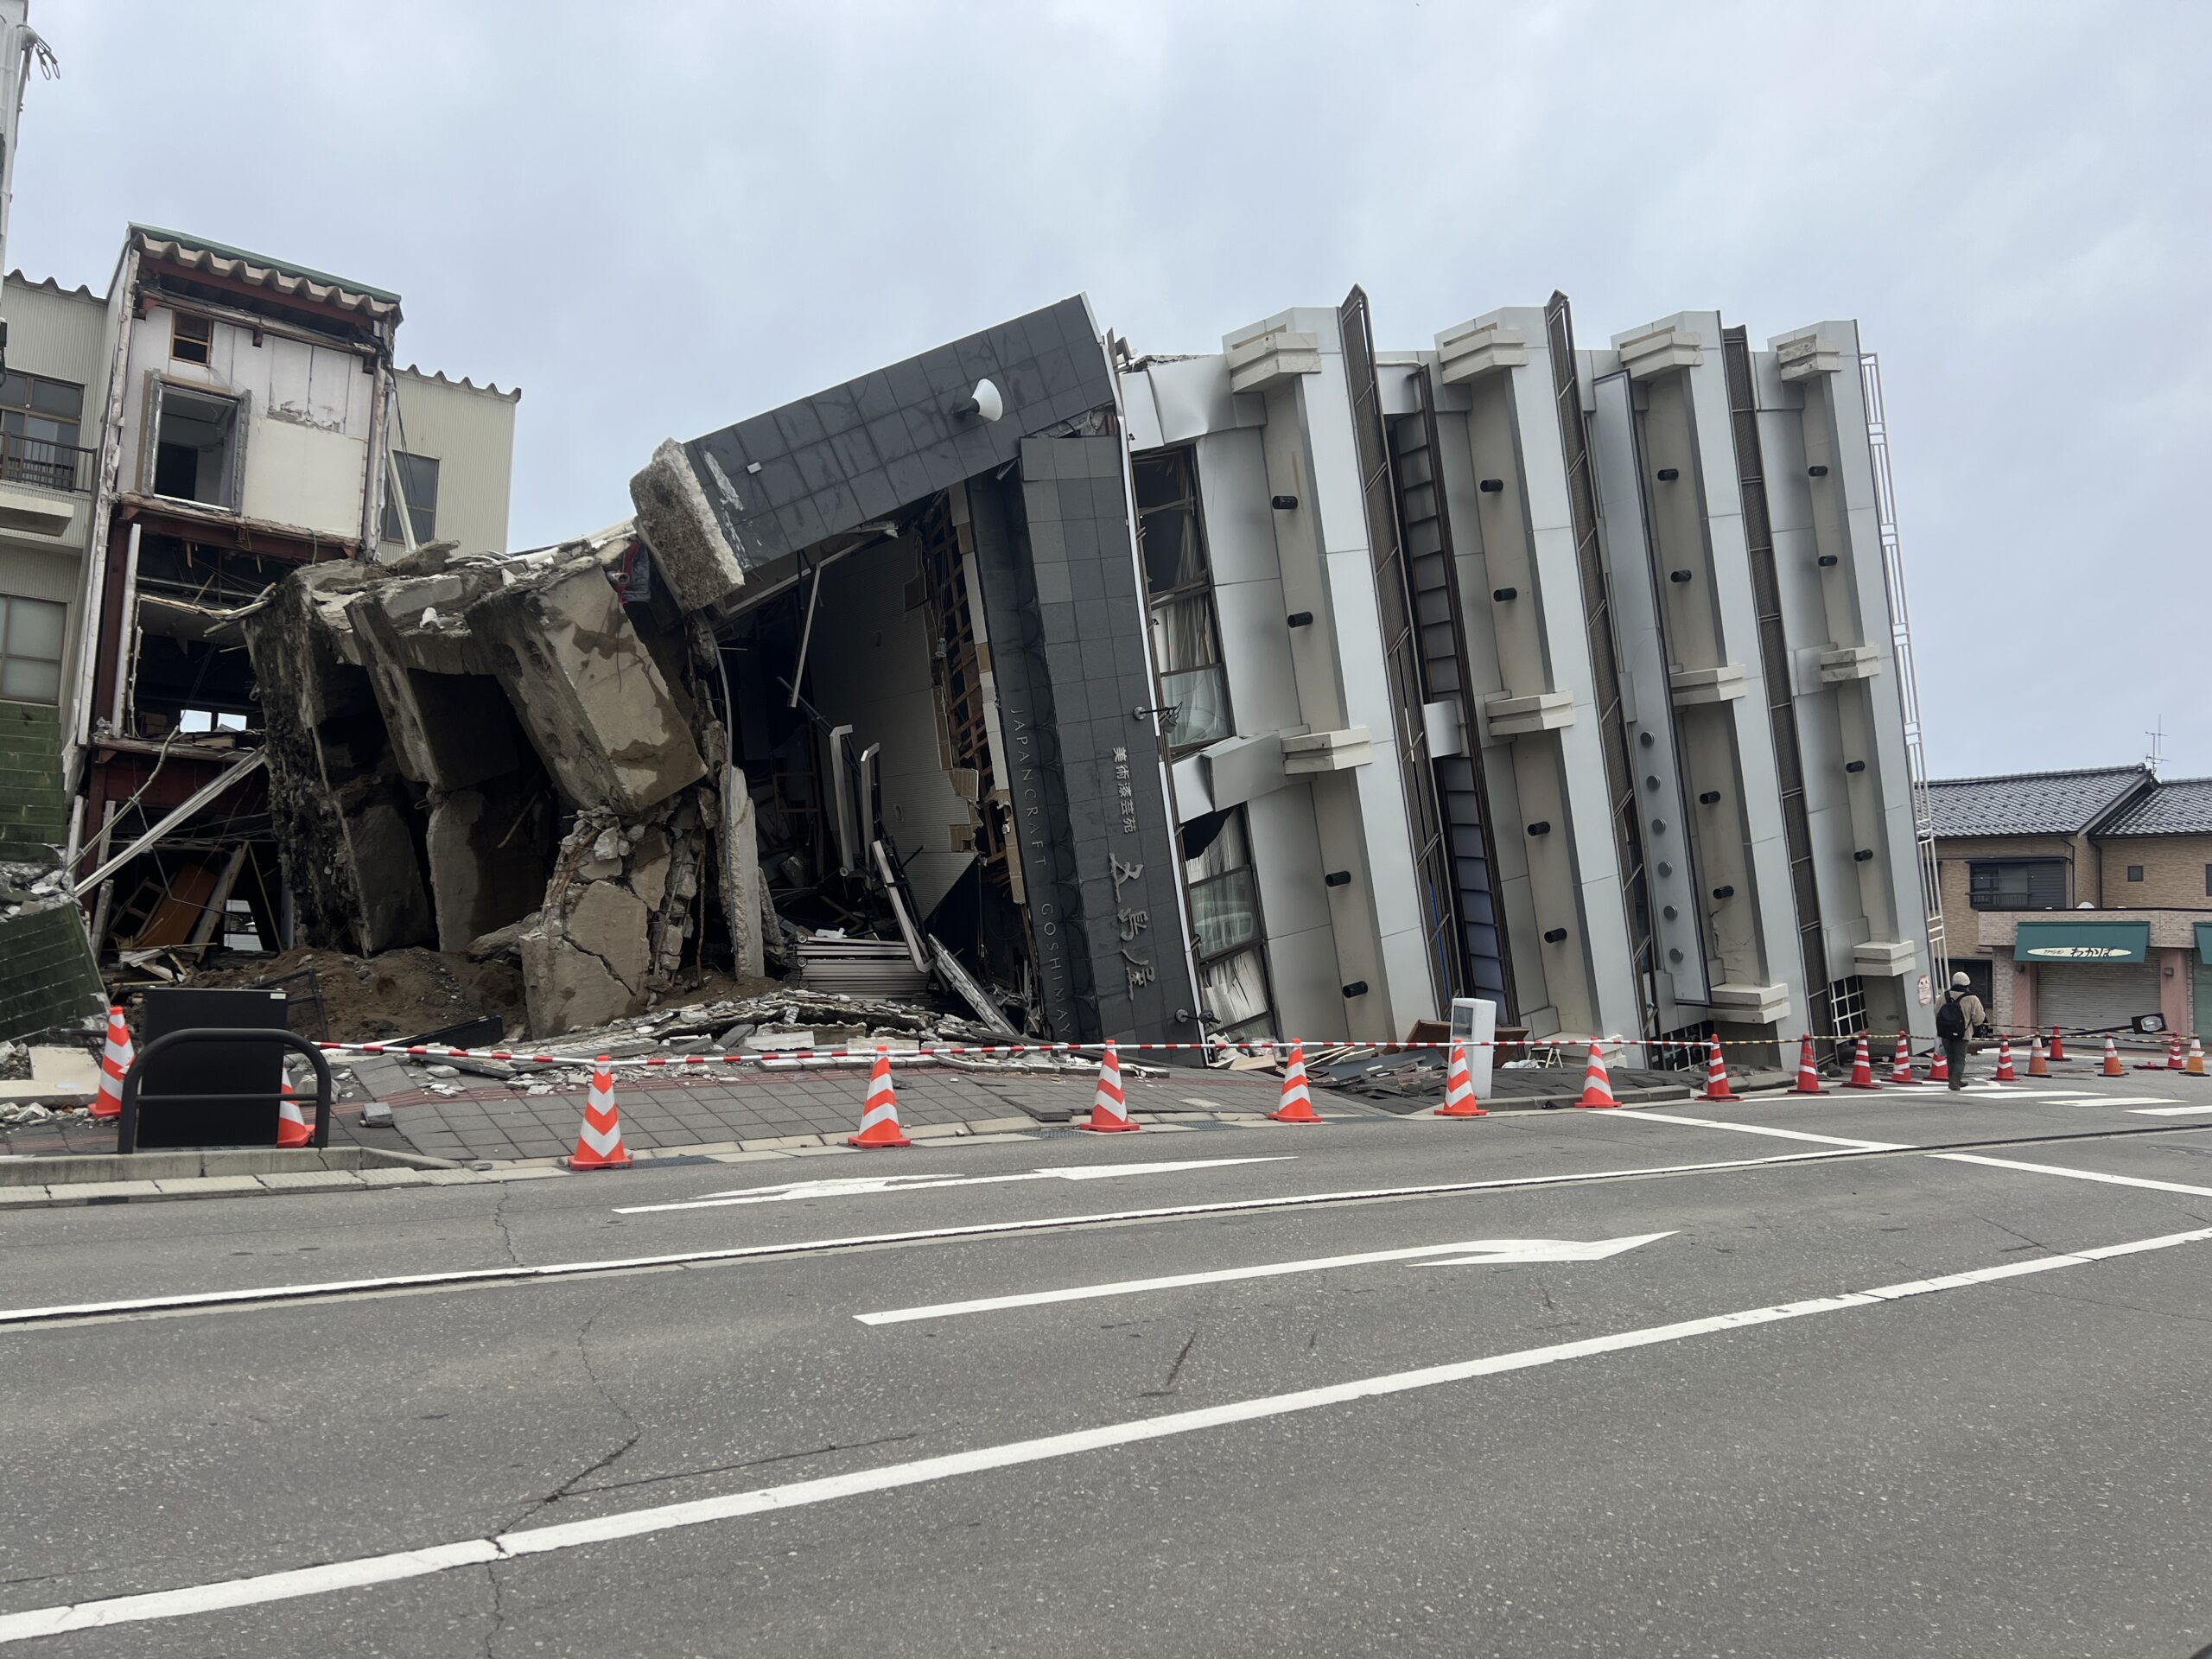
pixel 2134 874
pixel 206 342
pixel 388 524
pixel 7 603
pixel 1244 1030
pixel 159 393
pixel 1995 898
pixel 1190 501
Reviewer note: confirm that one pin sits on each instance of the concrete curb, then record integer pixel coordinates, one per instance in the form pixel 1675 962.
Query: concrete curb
pixel 274 1174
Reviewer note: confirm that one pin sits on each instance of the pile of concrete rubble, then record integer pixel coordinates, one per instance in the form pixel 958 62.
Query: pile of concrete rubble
pixel 775 1024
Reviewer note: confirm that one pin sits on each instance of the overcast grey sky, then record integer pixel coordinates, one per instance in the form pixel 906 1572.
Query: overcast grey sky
pixel 658 219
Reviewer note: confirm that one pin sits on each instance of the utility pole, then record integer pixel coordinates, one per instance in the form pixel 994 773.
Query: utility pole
pixel 20 44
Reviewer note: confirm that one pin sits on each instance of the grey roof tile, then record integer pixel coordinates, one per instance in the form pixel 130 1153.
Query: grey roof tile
pixel 2178 806
pixel 2031 803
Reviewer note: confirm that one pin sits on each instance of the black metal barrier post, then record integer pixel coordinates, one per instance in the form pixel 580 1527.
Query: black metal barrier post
pixel 126 1128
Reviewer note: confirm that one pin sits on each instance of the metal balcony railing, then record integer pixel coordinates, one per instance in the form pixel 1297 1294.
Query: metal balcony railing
pixel 51 466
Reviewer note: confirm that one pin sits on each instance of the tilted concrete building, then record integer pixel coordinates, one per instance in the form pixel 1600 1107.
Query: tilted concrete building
pixel 1290 689
pixel 1574 678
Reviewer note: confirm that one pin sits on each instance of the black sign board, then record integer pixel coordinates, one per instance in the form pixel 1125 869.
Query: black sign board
pixel 211 1094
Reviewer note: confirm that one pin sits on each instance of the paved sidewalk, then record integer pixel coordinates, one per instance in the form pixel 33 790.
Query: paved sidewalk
pixel 755 1110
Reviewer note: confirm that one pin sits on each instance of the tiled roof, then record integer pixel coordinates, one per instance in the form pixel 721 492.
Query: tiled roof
pixel 296 282
pixel 2178 806
pixel 2031 803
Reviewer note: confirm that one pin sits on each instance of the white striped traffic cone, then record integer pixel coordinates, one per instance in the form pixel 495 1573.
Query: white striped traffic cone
pixel 599 1143
pixel 291 1125
pixel 880 1116
pixel 1716 1076
pixel 1110 1112
pixel 115 1059
pixel 2005 1073
pixel 1901 1067
pixel 1809 1072
pixel 1460 1087
pixel 1297 1105
pixel 2196 1066
pixel 1597 1083
pixel 2112 1065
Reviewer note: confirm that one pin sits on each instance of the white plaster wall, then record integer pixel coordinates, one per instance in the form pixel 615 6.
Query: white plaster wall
pixel 308 419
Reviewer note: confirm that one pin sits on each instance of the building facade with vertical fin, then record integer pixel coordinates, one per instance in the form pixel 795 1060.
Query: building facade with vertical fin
pixel 1570 672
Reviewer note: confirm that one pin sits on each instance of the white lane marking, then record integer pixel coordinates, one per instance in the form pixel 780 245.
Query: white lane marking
pixel 665 1517
pixel 852 1186
pixel 1469 1252
pixel 1649 1117
pixel 2076 1175
pixel 2171 1111
pixel 475 1277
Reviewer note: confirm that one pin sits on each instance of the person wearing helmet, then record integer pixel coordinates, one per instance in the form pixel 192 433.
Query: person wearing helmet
pixel 1956 1019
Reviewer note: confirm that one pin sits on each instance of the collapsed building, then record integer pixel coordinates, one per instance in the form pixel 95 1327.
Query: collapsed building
pixel 1294 689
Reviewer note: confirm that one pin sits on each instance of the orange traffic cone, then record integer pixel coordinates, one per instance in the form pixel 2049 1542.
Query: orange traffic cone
pixel 1297 1105
pixel 115 1059
pixel 1809 1073
pixel 2038 1063
pixel 2174 1061
pixel 1862 1068
pixel 1901 1063
pixel 2171 1062
pixel 599 1143
pixel 1597 1085
pixel 1939 1066
pixel 1716 1076
pixel 1108 1114
pixel 1460 1087
pixel 880 1117
pixel 2004 1073
pixel 2113 1068
pixel 2196 1066
pixel 291 1127
pixel 2057 1044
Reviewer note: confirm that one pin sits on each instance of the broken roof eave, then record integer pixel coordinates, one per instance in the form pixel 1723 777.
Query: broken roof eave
pixel 300 284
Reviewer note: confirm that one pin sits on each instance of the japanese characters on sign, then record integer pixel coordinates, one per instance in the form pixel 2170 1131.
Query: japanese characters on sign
pixel 1136 967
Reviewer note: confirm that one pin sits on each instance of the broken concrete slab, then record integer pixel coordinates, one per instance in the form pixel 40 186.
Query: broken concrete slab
pixel 488 851
pixel 704 569
pixel 594 705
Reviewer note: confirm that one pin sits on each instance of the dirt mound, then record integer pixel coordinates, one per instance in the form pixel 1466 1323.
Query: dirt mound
pixel 397 994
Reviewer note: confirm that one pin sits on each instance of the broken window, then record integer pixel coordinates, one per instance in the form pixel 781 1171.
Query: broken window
pixel 418 477
pixel 38 432
pixel 191 339
pixel 1185 635
pixel 1225 923
pixel 197 450
pixel 30 649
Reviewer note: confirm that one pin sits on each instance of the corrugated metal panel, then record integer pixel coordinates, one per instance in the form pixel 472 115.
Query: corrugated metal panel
pixel 2095 995
pixel 58 334
pixel 470 432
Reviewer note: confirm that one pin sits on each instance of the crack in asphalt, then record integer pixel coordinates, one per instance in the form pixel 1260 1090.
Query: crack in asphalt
pixel 1174 1371
pixel 507 1191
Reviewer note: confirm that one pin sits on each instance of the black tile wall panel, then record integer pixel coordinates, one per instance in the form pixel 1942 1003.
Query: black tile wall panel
pixel 1108 859
pixel 857 451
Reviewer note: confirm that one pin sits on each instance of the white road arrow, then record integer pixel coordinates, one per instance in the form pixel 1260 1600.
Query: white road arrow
pixel 1504 1252
pixel 852 1186
pixel 1469 1252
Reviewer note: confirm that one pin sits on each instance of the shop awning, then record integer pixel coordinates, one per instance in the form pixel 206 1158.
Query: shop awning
pixel 2084 942
pixel 2204 942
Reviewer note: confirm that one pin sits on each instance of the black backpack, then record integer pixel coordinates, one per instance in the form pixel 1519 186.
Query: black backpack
pixel 1950 1017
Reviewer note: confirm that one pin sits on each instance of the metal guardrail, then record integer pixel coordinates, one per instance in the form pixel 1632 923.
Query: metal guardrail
pixel 126 1127
pixel 53 466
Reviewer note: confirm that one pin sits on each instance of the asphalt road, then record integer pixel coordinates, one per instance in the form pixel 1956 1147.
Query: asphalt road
pixel 1559 1383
